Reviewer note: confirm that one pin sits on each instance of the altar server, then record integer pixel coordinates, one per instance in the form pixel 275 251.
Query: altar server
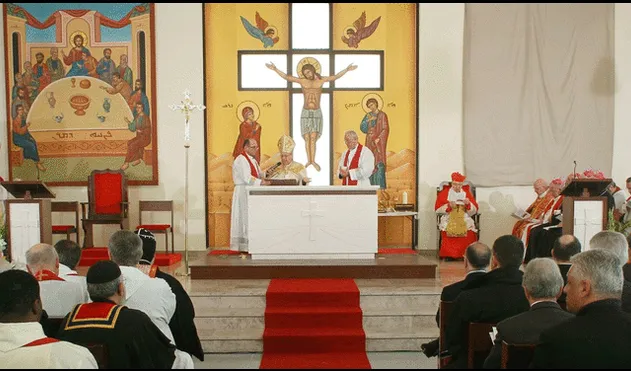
pixel 131 339
pixel 357 163
pixel 23 343
pixel 245 172
pixel 58 295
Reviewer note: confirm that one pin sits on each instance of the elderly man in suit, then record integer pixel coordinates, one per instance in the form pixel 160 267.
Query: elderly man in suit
pixel 491 298
pixel 543 284
pixel 616 243
pixel 477 258
pixel 600 334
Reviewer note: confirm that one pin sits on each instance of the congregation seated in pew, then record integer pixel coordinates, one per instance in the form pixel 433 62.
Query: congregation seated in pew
pixel 615 243
pixel 23 343
pixel 130 338
pixel 543 285
pixel 69 253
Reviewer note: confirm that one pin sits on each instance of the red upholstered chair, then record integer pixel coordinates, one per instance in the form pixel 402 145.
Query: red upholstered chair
pixel 166 205
pixel 444 187
pixel 66 207
pixel 107 202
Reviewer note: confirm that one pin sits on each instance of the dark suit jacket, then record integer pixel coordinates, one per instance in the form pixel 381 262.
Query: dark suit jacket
pixel 626 296
pixel 182 325
pixel 451 292
pixel 564 268
pixel 490 298
pixel 598 337
pixel 525 328
pixel 626 270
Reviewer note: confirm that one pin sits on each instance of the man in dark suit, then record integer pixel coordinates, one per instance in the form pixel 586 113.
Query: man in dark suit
pixel 477 257
pixel 542 284
pixel 491 298
pixel 616 243
pixel 600 334
pixel 626 269
pixel 564 248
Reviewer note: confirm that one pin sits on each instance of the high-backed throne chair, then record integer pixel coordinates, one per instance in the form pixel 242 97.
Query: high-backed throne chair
pixel 444 187
pixel 107 202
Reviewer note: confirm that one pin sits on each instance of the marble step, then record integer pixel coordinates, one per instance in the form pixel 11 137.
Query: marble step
pixel 209 327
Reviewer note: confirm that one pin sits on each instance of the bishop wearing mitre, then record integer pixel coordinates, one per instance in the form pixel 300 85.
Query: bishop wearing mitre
pixel 456 205
pixel 288 168
pixel 245 172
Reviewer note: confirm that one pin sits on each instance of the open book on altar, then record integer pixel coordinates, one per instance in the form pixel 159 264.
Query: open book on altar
pixel 521 214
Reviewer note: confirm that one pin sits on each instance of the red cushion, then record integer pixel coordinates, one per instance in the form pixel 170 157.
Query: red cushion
pixel 108 193
pixel 62 228
pixel 154 227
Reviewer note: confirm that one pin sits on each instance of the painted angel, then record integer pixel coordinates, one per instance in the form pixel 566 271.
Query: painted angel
pixel 359 31
pixel 262 31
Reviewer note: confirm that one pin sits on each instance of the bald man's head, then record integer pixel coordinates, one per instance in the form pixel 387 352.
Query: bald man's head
pixel 565 247
pixel 540 186
pixel 42 256
pixel 478 255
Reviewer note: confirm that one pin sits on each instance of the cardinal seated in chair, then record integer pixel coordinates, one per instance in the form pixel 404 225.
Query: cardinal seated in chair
pixel 457 228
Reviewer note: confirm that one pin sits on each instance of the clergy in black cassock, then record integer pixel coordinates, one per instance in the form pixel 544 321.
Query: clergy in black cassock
pixel 182 323
pixel 130 337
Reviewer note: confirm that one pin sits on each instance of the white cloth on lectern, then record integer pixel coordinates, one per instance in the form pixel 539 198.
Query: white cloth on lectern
pixel 242 177
pixel 365 168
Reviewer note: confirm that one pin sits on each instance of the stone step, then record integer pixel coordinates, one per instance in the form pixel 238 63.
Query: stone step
pixel 418 304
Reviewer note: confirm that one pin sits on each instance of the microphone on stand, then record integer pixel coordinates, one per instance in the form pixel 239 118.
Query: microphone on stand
pixel 574 169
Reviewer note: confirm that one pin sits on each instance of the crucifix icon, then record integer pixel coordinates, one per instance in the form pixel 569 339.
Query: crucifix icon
pixel 186 107
pixel 313 211
pixel 587 225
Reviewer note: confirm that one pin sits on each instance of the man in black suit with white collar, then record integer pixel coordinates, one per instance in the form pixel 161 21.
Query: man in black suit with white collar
pixel 542 284
pixel 600 334
pixel 477 258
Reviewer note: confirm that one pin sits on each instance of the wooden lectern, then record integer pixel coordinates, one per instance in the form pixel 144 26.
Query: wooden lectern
pixel 585 208
pixel 28 217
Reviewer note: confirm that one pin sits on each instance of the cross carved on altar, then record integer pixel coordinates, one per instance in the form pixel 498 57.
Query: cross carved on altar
pixel 187 107
pixel 313 211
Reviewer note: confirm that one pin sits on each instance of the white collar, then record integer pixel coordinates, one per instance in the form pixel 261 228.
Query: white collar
pixel 542 195
pixel 542 301
pixel 16 335
pixel 64 270
pixel 476 271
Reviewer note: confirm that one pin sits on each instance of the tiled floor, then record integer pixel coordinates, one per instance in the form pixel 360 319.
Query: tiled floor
pixel 378 360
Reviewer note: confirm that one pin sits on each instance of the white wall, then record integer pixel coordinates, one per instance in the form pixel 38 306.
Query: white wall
pixel 179 65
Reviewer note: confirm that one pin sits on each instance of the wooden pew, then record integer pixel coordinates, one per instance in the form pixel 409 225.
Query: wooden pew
pixel 517 355
pixel 445 311
pixel 479 343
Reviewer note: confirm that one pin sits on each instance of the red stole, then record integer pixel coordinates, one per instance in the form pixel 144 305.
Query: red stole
pixel 149 270
pixel 46 275
pixel 253 170
pixel 41 341
pixel 354 164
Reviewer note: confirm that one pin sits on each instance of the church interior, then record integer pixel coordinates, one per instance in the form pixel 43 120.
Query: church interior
pixel 475 122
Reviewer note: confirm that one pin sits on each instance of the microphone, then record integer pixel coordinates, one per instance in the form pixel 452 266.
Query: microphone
pixel 273 168
pixel 574 172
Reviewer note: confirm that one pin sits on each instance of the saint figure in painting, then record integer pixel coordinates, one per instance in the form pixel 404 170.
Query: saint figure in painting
pixel 249 129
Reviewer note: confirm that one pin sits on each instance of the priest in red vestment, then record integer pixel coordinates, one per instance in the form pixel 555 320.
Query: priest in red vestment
pixel 456 205
pixel 536 209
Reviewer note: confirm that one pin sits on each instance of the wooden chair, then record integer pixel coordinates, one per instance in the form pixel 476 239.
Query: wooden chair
pixel 66 207
pixel 444 187
pixel 445 311
pixel 99 351
pixel 158 228
pixel 479 343
pixel 107 202
pixel 517 355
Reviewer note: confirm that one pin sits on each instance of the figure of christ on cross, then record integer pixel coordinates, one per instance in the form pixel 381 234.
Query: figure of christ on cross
pixel 311 117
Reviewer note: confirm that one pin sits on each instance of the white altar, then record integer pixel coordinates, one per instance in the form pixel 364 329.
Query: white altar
pixel 312 222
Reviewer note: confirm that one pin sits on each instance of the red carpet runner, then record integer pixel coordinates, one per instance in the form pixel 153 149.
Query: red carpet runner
pixel 92 255
pixel 313 323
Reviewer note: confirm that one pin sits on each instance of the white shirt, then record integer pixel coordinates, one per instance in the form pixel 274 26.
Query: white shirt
pixel 364 168
pixel 153 296
pixel 58 355
pixel 60 297
pixel 71 276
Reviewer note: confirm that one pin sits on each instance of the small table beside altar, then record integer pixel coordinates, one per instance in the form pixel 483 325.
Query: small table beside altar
pixel 312 222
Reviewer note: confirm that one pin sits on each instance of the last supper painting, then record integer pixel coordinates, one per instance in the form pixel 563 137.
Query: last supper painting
pixel 80 91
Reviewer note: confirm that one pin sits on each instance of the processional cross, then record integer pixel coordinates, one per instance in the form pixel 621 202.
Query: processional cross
pixel 186 107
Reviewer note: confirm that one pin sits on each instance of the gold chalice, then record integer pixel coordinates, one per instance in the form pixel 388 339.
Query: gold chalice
pixel 80 103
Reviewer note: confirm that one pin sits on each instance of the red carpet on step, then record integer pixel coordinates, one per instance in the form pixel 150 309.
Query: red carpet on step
pixel 313 323
pixel 92 255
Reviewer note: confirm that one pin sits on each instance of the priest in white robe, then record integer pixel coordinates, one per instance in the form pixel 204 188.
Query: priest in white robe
pixel 150 295
pixel 69 253
pixel 288 168
pixel 58 295
pixel 357 163
pixel 245 172
pixel 23 344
